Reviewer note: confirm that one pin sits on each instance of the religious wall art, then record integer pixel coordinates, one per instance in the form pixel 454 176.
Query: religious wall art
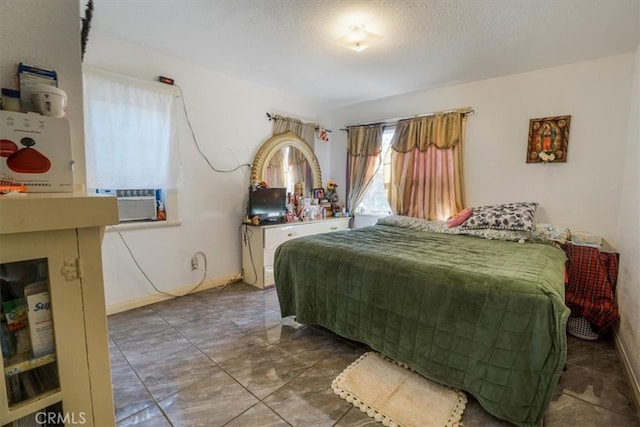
pixel 548 139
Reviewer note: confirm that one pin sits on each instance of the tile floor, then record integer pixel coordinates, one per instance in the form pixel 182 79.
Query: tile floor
pixel 225 357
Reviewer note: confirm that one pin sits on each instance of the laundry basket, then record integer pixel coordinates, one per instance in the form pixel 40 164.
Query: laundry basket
pixel 581 328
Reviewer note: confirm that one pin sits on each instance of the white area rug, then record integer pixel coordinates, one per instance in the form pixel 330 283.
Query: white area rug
pixel 396 396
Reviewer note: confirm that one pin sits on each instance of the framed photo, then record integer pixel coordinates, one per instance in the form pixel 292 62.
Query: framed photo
pixel 318 193
pixel 548 139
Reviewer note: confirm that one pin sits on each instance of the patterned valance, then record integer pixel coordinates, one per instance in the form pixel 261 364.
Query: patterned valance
pixel 282 124
pixel 365 140
pixel 443 129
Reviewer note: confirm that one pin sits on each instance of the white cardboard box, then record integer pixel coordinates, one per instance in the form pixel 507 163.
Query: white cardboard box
pixel 35 150
pixel 582 238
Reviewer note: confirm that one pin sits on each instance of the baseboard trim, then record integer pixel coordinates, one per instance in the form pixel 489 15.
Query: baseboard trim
pixel 152 299
pixel 626 366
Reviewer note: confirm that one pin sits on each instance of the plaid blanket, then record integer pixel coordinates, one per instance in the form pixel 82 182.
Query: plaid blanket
pixel 592 277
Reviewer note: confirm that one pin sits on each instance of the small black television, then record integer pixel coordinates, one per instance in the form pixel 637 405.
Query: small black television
pixel 268 204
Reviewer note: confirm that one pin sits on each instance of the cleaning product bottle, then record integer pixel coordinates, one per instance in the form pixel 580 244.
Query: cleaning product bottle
pixel 40 318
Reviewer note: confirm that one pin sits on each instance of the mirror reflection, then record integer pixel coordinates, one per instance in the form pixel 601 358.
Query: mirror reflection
pixel 286 161
pixel 288 167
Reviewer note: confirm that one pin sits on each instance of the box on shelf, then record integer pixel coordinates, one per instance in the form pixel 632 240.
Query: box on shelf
pixel 29 76
pixel 36 151
pixel 581 238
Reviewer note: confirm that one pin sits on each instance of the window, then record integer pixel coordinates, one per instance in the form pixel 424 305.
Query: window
pixel 131 135
pixel 427 173
pixel 375 201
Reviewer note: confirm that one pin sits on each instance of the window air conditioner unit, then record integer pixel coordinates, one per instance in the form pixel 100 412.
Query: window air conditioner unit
pixel 137 208
pixel 135 205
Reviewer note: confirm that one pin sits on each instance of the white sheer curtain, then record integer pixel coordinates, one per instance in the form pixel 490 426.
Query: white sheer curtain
pixel 130 133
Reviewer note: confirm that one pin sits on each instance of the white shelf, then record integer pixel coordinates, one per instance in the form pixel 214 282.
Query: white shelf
pixel 24 365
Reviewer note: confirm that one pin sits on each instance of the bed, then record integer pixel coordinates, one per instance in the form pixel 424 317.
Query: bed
pixel 483 315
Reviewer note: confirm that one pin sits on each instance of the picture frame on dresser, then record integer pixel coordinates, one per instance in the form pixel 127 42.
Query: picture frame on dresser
pixel 318 193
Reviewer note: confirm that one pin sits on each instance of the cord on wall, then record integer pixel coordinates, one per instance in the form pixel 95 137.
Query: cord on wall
pixel 195 140
pixel 246 236
pixel 204 276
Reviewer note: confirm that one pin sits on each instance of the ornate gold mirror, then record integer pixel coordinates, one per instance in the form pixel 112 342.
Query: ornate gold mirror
pixel 286 160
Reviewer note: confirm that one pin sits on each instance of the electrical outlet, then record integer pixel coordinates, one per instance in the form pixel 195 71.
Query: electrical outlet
pixel 194 263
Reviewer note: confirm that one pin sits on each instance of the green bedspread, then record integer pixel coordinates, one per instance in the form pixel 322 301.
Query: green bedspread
pixel 484 316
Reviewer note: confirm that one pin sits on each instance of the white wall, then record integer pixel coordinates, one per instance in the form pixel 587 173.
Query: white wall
pixel 46 34
pixel 230 123
pixel 628 291
pixel 582 193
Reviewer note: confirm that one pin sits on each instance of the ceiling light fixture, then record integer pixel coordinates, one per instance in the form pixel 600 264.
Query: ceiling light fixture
pixel 358 39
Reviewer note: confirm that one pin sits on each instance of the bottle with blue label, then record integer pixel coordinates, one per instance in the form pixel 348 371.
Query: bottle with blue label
pixel 40 318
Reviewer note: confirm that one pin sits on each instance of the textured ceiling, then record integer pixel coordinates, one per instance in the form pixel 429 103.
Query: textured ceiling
pixel 289 45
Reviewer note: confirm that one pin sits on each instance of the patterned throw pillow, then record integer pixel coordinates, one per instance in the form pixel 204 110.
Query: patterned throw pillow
pixel 508 216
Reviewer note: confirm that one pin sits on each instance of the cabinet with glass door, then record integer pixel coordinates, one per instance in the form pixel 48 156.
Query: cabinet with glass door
pixel 52 321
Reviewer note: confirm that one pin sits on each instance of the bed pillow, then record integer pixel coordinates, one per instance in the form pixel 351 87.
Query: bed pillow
pixel 551 233
pixel 460 218
pixel 418 224
pixel 508 216
pixel 493 234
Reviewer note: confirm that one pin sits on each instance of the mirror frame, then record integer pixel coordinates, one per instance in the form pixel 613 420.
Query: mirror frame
pixel 276 143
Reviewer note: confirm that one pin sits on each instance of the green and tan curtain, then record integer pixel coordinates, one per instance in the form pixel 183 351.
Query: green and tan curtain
pixel 282 124
pixel 426 176
pixel 363 151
